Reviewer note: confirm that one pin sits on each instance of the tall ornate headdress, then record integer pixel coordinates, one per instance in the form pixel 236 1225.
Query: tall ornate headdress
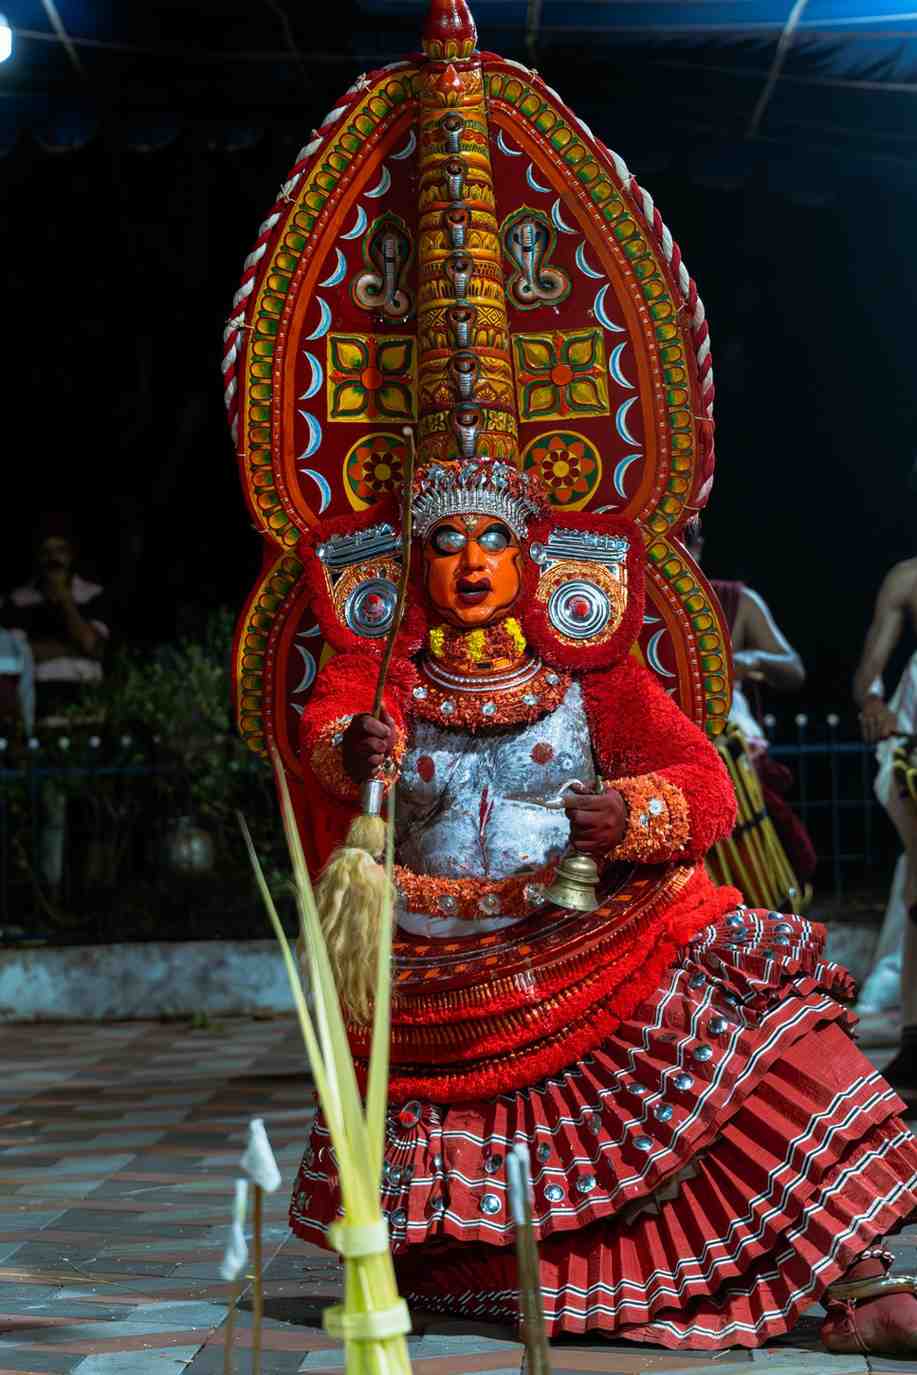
pixel 456 252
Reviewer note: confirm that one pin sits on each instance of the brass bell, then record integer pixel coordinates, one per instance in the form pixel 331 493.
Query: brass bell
pixel 574 884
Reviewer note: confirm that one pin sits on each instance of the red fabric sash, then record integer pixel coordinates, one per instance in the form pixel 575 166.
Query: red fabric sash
pixel 499 1011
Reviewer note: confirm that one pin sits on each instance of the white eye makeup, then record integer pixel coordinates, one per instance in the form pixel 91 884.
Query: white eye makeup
pixel 448 540
pixel 495 538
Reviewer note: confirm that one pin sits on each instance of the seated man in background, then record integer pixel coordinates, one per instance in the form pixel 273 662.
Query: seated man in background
pixel 62 626
pixel 64 619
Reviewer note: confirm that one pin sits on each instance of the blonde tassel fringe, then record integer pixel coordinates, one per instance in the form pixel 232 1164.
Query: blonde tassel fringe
pixel 367 833
pixel 350 895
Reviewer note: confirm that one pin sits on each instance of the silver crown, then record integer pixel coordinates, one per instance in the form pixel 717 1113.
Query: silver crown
pixel 491 488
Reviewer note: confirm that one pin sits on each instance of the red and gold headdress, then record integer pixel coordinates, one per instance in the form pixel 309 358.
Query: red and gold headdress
pixel 454 251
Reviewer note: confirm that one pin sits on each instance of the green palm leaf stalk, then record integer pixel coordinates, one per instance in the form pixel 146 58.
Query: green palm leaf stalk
pixel 373 1319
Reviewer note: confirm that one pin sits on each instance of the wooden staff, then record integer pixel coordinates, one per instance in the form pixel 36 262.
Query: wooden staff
pixel 353 888
pixel 229 1329
pixel 407 531
pixel 531 1303
pixel 258 1292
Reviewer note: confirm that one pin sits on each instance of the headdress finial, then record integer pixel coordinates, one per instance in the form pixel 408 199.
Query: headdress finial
pixel 449 30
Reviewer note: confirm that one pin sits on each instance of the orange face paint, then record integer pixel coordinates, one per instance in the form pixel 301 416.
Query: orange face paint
pixel 473 570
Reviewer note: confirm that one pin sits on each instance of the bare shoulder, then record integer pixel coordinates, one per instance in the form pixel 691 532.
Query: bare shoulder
pixel 750 599
pixel 753 612
pixel 900 584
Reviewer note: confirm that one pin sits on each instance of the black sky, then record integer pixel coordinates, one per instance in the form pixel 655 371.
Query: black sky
pixel 119 267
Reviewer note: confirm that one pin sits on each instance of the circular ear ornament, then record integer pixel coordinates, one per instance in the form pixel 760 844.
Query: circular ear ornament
pixel 359 581
pixel 579 610
pixel 370 607
pixel 586 577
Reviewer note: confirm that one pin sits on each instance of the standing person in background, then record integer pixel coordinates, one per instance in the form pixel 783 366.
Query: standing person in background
pixel 61 621
pixel 893 978
pixel 761 655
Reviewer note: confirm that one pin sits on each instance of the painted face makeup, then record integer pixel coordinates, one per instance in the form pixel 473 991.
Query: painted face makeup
pixel 473 570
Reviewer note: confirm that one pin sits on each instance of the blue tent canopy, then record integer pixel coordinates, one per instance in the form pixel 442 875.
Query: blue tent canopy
pixel 802 94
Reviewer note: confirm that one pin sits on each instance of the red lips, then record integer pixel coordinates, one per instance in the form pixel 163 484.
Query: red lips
pixel 473 590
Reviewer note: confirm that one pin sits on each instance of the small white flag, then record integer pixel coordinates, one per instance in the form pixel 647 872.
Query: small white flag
pixel 236 1253
pixel 258 1161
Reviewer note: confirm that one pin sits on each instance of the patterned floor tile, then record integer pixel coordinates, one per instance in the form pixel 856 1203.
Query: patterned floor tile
pixel 631 1359
pixel 32 1363
pixel 118 1150
pixel 166 1360
pixel 209 1361
pixel 816 1363
pixel 26 1221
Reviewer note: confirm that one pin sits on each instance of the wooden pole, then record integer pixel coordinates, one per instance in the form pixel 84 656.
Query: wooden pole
pixel 258 1291
pixel 531 1303
pixel 407 530
pixel 229 1331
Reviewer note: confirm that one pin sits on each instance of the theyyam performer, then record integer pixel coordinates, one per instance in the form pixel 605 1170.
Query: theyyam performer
pixel 456 255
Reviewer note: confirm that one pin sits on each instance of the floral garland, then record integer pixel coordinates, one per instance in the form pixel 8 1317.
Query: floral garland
pixel 473 898
pixel 492 644
pixel 658 819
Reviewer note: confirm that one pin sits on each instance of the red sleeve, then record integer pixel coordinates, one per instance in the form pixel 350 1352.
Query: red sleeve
pixel 345 687
pixel 679 798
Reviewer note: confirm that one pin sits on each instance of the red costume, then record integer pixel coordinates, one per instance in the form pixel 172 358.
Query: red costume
pixel 709 1150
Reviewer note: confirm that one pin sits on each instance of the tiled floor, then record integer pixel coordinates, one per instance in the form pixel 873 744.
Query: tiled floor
pixel 118 1147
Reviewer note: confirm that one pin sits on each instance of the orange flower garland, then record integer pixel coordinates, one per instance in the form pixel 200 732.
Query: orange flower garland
pixel 658 820
pixel 473 898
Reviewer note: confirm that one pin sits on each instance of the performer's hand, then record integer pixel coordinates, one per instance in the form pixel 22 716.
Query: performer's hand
pixel 366 743
pixel 877 721
pixel 597 820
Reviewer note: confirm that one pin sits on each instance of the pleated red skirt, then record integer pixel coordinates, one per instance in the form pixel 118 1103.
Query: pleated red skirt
pixel 699 1179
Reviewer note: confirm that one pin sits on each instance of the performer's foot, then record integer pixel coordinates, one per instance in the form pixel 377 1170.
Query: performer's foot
pixel 883 1324
pixel 901 1073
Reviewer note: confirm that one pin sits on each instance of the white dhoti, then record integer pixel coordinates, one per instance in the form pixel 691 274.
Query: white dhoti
pixel 742 716
pixel 881 989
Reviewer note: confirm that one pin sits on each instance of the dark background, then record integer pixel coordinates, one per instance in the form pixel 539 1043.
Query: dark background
pixel 134 190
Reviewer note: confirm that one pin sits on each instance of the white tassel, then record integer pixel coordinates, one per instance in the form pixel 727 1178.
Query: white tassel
pixel 258 1160
pixel 235 1257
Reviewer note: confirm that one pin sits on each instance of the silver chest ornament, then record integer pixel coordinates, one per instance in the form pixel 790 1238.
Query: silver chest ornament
pixel 463 808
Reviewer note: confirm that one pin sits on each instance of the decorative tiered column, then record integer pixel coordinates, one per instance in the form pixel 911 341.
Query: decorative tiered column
pixel 466 400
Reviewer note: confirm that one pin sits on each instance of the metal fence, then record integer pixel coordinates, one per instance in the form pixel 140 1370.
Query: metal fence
pixel 110 838
pixel 106 838
pixel 833 795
